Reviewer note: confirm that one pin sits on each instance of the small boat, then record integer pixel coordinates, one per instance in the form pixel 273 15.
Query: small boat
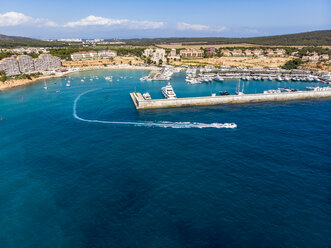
pixel 109 78
pixel 147 96
pixel 168 92
pixel 223 93
pixel 218 78
pixel 68 84
pixel 279 78
pixel 45 85
pixel 82 80
pixel 270 78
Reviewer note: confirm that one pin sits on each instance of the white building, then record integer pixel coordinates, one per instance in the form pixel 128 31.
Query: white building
pixel 25 63
pixel 46 62
pixel 70 40
pixel 93 55
pixel 148 52
pixel 173 54
pixel 159 54
pixel 10 66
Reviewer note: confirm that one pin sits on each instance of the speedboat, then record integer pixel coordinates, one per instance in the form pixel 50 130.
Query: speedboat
pixel 168 92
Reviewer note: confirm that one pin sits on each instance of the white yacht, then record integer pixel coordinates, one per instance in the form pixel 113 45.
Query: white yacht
pixel 279 78
pixel 168 92
pixel 218 78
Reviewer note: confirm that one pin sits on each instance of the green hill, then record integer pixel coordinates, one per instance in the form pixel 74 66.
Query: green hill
pixel 315 38
pixel 15 38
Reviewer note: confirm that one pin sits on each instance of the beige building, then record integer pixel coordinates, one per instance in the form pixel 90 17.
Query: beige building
pixel 237 53
pixel 159 54
pixel 226 53
pixel 279 52
pixel 25 63
pixel 324 57
pixel 46 62
pixel 173 54
pixel 248 53
pixel 195 53
pixel 258 52
pixel 10 66
pixel 107 54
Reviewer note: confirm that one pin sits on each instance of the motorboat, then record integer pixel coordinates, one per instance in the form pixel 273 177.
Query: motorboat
pixel 147 96
pixel 218 78
pixel 223 93
pixel 168 92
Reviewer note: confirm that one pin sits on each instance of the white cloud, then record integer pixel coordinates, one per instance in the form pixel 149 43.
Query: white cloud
pixel 198 27
pixel 102 21
pixel 16 18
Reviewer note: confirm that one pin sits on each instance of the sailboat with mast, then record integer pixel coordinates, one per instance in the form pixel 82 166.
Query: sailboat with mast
pixel 238 91
pixel 45 85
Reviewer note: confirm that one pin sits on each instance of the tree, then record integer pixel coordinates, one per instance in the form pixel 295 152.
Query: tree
pixel 292 64
pixel 3 76
pixel 149 61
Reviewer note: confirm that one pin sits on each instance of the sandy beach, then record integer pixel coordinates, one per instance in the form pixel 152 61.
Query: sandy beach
pixel 13 83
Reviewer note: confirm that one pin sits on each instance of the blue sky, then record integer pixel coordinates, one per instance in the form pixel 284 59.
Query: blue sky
pixel 160 18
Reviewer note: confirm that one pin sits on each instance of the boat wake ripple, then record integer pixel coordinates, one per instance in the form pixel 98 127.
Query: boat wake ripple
pixel 161 124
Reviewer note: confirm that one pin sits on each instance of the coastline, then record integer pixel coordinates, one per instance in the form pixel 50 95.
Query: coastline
pixel 14 83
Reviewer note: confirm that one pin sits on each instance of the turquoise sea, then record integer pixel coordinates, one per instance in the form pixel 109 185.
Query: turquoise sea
pixel 81 167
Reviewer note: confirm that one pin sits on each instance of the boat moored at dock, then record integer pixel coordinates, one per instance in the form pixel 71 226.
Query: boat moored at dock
pixel 168 92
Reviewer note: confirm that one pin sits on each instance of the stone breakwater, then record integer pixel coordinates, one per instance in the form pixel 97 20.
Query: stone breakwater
pixel 141 103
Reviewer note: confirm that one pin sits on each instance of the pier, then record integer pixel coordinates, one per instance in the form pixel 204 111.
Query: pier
pixel 140 102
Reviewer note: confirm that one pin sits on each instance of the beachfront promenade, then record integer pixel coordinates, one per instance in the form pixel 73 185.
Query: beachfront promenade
pixel 141 103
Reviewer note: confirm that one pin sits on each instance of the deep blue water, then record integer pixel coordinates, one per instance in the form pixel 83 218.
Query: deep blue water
pixel 69 183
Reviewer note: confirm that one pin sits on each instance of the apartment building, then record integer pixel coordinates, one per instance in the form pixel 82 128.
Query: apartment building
pixel 194 53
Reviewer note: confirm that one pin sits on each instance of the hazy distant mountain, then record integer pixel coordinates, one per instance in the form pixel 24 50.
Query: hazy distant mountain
pixel 15 38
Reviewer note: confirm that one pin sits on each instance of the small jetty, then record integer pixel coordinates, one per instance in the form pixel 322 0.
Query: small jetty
pixel 163 74
pixel 141 103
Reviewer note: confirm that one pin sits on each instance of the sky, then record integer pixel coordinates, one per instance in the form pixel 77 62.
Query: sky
pixel 54 19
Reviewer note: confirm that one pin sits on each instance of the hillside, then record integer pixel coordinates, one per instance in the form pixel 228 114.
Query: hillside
pixel 15 38
pixel 315 38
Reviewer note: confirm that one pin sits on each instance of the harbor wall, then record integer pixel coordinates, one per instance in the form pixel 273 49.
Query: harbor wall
pixel 141 103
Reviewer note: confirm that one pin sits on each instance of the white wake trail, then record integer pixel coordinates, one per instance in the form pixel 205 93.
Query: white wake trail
pixel 161 124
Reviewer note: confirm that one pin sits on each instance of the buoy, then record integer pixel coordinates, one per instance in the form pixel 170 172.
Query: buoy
pixel 22 98
pixel 1 118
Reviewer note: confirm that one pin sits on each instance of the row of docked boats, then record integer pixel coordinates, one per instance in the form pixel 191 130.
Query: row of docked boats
pixel 282 78
pixel 202 78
